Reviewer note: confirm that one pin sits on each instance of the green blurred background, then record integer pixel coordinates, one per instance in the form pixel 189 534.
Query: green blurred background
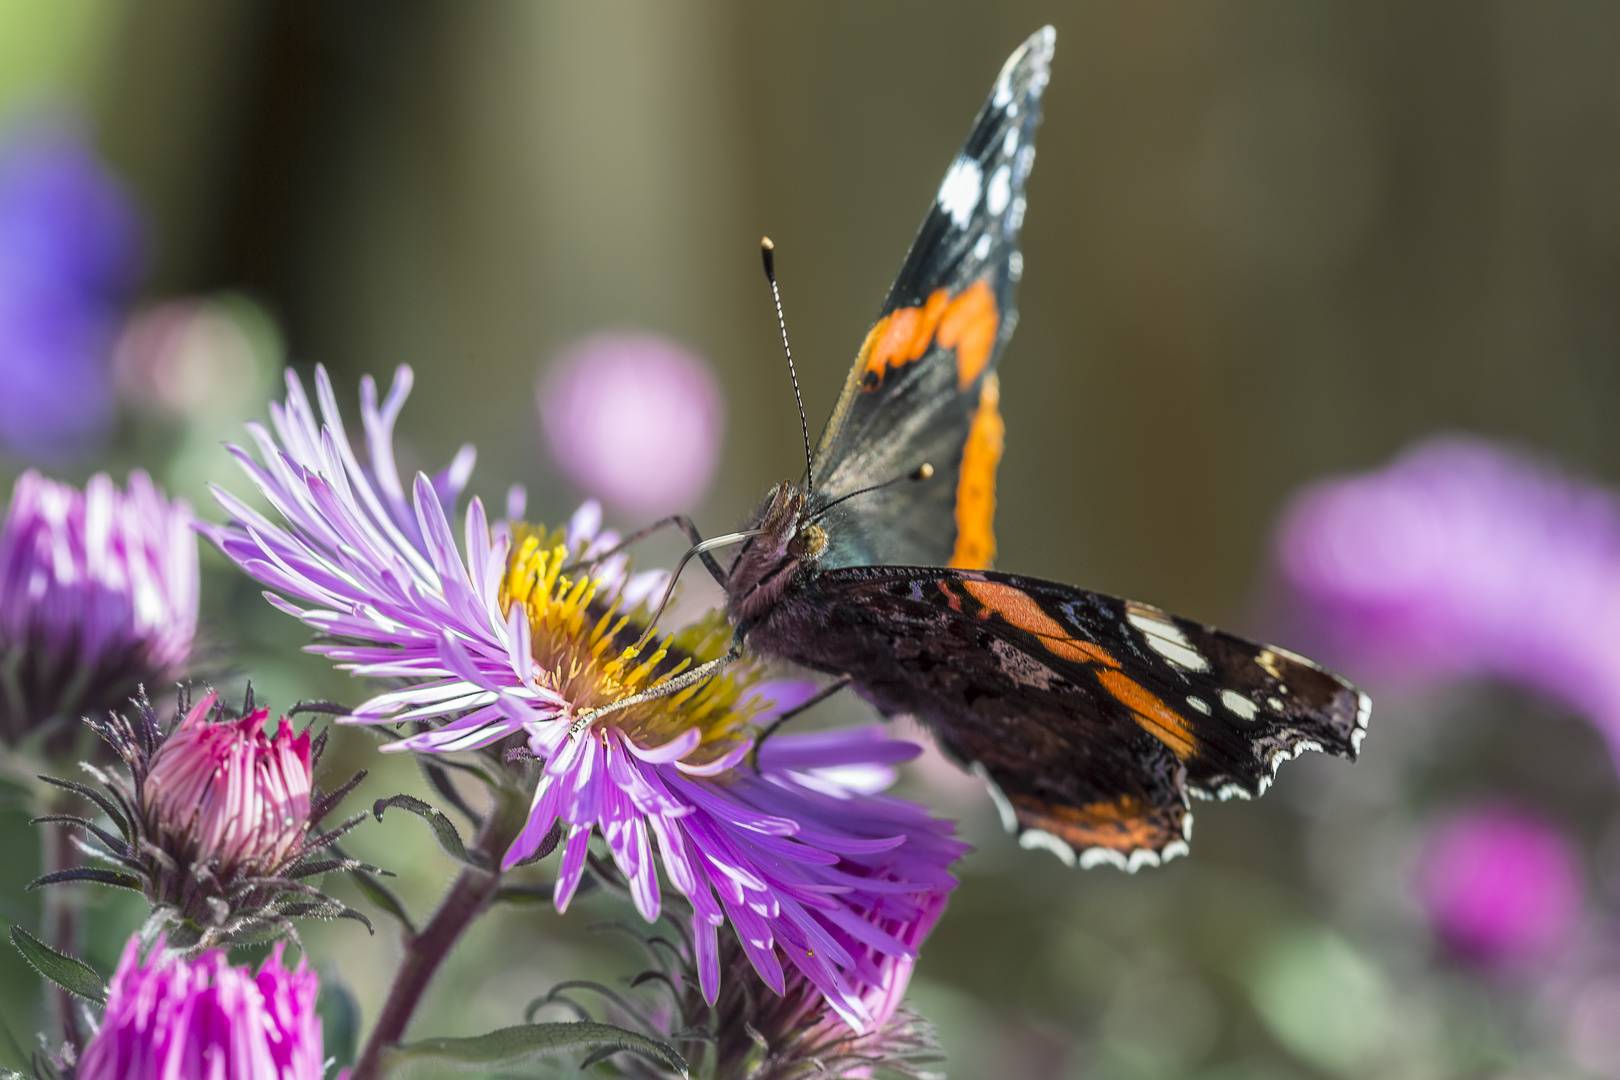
pixel 1266 241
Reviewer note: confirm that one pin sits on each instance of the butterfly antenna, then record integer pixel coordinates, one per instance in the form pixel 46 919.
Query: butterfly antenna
pixel 767 252
pixel 924 471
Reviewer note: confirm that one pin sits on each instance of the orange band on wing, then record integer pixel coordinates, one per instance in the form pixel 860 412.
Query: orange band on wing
pixel 1124 824
pixel 899 338
pixel 969 326
pixel 976 483
pixel 1021 610
pixel 1153 715
pixel 967 323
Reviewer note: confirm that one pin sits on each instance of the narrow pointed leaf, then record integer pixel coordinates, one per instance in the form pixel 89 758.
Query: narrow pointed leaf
pixel 383 897
pixel 523 894
pixel 517 1045
pixel 72 975
pixel 443 828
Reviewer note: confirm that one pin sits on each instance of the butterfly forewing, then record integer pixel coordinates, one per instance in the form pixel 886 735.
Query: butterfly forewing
pixel 923 386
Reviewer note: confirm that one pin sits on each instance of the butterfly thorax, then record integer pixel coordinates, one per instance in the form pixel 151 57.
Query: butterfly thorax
pixel 787 549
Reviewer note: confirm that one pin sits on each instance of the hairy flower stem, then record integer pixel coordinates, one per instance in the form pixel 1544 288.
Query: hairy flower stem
pixel 468 898
pixel 60 914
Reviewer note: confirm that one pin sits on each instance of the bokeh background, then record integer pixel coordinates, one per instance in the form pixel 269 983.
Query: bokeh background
pixel 1267 242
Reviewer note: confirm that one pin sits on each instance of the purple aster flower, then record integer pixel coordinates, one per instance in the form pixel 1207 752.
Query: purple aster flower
pixel 98 594
pixel 503 644
pixel 634 420
pixel 1499 885
pixel 69 249
pixel 1459 559
pixel 168 1018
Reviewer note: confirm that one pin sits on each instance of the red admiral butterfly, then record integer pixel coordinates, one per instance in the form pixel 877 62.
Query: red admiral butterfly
pixel 1092 718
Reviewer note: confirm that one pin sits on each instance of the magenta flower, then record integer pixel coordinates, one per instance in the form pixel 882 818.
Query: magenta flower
pixel 634 420
pixel 168 1018
pixel 228 791
pixel 69 249
pixel 98 594
pixel 1499 885
pixel 842 882
pixel 503 643
pixel 1463 559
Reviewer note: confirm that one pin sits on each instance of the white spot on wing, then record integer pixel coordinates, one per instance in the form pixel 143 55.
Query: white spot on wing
pixel 1165 637
pixel 959 193
pixel 1040 838
pixel 1363 710
pixel 1274 704
pixel 1010 143
pixel 1198 703
pixel 997 195
pixel 1015 216
pixel 982 248
pixel 1355 739
pixel 1009 817
pixel 1239 704
pixel 1015 265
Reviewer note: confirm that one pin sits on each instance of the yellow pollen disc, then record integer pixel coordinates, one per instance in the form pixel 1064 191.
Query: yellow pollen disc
pixel 587 652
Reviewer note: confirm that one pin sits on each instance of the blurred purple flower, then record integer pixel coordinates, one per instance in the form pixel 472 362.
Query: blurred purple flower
pixel 802 856
pixel 1459 559
pixel 1499 885
pixel 98 593
pixel 69 251
pixel 168 1018
pixel 634 420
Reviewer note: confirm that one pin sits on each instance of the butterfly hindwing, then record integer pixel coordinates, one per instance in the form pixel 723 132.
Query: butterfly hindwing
pixel 923 387
pixel 1094 718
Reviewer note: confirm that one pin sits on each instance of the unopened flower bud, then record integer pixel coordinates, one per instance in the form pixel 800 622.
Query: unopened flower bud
pixel 227 791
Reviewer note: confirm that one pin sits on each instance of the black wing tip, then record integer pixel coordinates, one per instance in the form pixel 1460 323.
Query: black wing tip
pixel 1027 70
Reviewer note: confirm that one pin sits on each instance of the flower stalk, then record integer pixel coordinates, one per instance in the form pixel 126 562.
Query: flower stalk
pixel 425 950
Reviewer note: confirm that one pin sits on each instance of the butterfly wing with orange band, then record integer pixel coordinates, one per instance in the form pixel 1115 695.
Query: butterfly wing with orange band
pixel 1093 718
pixel 923 388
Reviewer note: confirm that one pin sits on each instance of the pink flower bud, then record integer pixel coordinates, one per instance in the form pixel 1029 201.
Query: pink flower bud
pixel 168 1017
pixel 226 790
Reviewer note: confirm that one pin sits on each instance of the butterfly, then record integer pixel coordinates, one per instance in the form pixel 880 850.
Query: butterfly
pixel 1093 719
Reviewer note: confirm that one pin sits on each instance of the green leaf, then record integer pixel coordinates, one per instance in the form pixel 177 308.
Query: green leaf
pixel 382 896
pixel 523 894
pixel 340 1019
pixel 443 828
pixel 74 976
pixel 516 1045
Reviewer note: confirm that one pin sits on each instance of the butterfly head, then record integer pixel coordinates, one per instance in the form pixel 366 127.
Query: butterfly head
pixel 787 544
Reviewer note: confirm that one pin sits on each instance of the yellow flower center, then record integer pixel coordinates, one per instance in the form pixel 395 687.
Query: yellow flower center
pixel 587 651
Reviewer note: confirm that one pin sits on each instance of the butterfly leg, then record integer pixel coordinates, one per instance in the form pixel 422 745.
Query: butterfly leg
pixel 787 714
pixel 670 686
pixel 681 521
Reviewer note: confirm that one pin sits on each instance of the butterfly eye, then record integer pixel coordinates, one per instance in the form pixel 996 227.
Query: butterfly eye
pixel 808 541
